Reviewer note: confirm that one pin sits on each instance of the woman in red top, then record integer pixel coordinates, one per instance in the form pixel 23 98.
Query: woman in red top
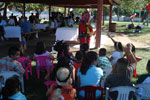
pixel 85 29
pixel 63 89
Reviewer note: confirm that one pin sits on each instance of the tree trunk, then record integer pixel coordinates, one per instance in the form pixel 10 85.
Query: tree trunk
pixel 5 9
pixel 118 13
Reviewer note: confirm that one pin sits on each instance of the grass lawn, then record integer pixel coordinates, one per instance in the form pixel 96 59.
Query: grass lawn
pixel 35 89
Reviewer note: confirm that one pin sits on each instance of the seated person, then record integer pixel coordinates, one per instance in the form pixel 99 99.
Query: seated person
pixel 122 73
pixel 89 74
pixel 11 21
pixel 63 89
pixel 10 62
pixel 25 26
pixel 78 61
pixel 103 60
pixel 145 78
pixel 41 50
pixel 70 22
pixel 64 51
pixel 11 91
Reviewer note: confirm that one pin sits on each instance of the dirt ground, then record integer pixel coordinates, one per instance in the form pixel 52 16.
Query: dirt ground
pixel 124 39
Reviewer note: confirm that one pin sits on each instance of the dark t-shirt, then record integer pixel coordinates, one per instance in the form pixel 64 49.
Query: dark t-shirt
pixel 142 78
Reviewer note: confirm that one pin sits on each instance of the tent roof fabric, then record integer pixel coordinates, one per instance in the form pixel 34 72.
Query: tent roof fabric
pixel 69 3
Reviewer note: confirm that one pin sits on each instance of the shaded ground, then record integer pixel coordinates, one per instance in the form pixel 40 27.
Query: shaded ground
pixel 34 88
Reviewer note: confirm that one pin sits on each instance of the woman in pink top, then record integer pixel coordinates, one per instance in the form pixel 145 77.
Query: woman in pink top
pixel 41 50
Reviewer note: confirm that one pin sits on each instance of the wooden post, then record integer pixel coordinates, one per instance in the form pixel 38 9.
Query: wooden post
pixel 24 9
pixel 103 15
pixel 99 23
pixel 49 12
pixel 110 16
pixel 65 12
pixel 5 9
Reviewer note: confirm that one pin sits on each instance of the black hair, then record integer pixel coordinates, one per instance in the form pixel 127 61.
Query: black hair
pixel 79 55
pixel 90 57
pixel 13 50
pixel 40 48
pixel 63 62
pixel 102 52
pixel 118 45
pixel 122 65
pixel 148 66
pixel 12 86
pixel 84 48
pixel 63 49
pixel 133 48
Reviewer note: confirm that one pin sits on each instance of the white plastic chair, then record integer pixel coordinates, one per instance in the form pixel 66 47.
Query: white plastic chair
pixel 7 74
pixel 144 89
pixel 123 92
pixel 106 72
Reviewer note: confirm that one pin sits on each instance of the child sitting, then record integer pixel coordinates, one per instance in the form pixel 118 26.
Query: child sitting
pixel 11 91
pixel 103 60
pixel 63 89
pixel 78 62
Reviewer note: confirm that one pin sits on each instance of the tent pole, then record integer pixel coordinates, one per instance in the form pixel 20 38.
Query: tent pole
pixel 99 23
pixel 110 16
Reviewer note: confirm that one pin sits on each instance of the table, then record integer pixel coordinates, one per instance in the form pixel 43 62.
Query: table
pixel 13 32
pixel 67 34
pixel 41 26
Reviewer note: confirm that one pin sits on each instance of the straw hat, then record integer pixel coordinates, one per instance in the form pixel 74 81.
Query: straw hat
pixel 62 76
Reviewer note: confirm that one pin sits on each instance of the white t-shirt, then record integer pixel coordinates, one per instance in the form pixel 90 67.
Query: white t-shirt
pixel 116 55
pixel 47 53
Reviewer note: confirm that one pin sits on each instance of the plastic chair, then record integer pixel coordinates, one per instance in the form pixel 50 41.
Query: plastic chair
pixel 43 62
pixel 26 63
pixel 48 84
pixel 7 74
pixel 145 91
pixel 123 92
pixel 90 92
pixel 106 72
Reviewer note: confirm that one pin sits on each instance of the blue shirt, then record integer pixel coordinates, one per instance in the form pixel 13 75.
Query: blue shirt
pixel 25 27
pixel 92 76
pixel 18 96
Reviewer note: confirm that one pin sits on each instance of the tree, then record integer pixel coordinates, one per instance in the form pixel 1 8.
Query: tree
pixel 36 7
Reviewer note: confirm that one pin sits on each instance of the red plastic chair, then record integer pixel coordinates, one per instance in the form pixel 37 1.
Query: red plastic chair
pixel 43 62
pixel 26 63
pixel 90 92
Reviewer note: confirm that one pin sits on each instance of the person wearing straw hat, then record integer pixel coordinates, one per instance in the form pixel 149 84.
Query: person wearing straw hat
pixel 62 90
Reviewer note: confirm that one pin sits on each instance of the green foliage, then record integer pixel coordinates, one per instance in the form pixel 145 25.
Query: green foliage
pixel 36 7
pixel 2 4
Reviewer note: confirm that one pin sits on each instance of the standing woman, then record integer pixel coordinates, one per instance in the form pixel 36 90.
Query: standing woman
pixel 85 29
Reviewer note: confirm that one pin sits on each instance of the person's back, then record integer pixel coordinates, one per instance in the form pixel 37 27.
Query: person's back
pixel 25 26
pixel 66 92
pixel 11 91
pixel 63 89
pixel 103 60
pixel 10 62
pixel 78 62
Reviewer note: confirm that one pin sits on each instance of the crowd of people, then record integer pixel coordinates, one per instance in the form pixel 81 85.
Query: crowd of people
pixel 29 24
pixel 83 69
pixel 86 68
